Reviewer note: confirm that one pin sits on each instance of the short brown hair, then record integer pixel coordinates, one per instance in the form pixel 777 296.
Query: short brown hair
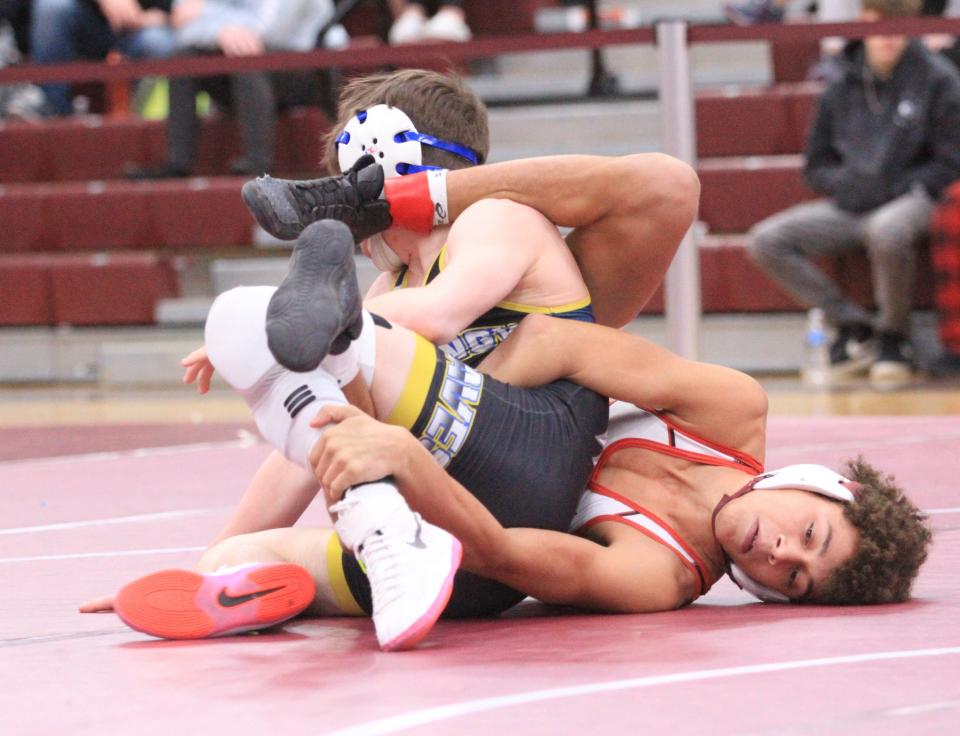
pixel 893 8
pixel 440 105
pixel 894 538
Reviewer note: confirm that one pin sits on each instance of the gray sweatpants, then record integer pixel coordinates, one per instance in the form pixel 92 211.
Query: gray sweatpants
pixel 786 244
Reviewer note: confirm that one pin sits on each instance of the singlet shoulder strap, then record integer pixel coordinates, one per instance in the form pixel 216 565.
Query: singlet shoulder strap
pixel 657 433
pixel 599 504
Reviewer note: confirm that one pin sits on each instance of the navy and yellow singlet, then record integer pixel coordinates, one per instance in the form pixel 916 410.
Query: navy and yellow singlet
pixel 526 454
pixel 488 330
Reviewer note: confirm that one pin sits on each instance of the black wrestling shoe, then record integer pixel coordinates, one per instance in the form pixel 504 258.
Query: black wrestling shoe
pixel 284 207
pixel 316 310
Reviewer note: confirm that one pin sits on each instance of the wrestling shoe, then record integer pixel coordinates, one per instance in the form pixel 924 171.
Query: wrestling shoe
pixel 284 207
pixel 411 567
pixel 316 309
pixel 181 604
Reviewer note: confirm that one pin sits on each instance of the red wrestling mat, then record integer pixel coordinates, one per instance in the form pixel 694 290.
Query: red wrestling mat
pixel 76 528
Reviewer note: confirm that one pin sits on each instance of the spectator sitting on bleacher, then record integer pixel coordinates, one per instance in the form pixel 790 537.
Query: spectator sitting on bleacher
pixel 236 28
pixel 23 100
pixel 67 30
pixel 411 24
pixel 885 142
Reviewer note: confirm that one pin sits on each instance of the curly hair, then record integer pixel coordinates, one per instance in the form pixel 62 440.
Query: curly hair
pixel 894 538
pixel 438 104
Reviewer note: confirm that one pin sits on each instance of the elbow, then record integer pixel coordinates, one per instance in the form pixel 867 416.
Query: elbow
pixel 665 186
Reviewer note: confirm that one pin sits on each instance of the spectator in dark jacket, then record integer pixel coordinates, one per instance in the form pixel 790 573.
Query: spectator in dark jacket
pixel 884 144
pixel 66 30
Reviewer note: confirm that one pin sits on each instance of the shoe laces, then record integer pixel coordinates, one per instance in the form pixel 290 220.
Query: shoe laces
pixel 382 568
pixel 307 191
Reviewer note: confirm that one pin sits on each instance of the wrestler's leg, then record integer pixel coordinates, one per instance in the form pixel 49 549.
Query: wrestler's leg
pixel 316 550
pixel 373 520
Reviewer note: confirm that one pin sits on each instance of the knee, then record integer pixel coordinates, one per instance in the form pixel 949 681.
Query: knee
pixel 886 240
pixel 50 15
pixel 765 243
pixel 155 43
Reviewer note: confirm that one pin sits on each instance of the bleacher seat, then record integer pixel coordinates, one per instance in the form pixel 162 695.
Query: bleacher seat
pixel 110 289
pixel 25 291
pixel 738 192
pixel 754 121
pixel 91 147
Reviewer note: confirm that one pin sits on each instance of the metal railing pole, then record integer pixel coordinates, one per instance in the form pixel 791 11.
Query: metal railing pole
pixel 683 310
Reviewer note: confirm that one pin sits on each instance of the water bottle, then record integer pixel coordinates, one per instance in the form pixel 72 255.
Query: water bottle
pixel 816 367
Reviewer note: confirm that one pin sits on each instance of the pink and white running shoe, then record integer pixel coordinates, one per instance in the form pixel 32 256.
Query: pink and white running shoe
pixel 182 604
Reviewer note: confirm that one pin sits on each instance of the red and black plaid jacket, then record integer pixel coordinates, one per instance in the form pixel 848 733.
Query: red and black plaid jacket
pixel 945 254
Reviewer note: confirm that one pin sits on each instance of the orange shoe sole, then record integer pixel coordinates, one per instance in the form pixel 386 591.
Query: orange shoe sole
pixel 181 604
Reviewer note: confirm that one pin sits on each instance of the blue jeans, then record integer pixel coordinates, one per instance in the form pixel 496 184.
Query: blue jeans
pixel 67 30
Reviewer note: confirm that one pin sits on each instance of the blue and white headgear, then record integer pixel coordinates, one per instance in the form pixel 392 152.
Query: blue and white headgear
pixel 805 477
pixel 388 134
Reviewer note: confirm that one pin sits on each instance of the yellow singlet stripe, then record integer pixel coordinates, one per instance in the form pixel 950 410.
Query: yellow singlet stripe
pixel 531 309
pixel 341 591
pixel 417 386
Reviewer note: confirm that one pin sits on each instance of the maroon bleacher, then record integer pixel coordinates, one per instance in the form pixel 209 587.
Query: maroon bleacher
pixel 754 121
pixel 94 289
pixel 82 246
pixel 92 147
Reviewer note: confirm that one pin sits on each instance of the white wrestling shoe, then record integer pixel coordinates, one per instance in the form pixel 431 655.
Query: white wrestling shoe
pixel 410 565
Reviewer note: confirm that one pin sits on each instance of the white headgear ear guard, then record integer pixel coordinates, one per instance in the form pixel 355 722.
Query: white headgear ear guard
pixel 389 135
pixel 806 477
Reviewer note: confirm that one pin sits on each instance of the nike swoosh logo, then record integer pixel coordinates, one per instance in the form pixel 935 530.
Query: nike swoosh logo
pixel 418 541
pixel 229 601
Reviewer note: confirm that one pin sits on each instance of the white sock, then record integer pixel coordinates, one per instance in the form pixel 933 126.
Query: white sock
pixel 282 402
pixel 236 336
pixel 359 357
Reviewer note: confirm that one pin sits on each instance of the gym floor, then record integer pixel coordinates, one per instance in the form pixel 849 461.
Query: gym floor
pixel 98 488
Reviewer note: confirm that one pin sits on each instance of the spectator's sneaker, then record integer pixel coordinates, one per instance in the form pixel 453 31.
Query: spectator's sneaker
pixel 408 28
pixel 945 365
pixel 410 565
pixel 181 604
pixel 853 350
pixel 753 12
pixel 893 367
pixel 447 25
pixel 316 309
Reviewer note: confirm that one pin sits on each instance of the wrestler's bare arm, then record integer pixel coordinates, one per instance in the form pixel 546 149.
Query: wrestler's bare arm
pixel 629 215
pixel 551 566
pixel 491 247
pixel 718 402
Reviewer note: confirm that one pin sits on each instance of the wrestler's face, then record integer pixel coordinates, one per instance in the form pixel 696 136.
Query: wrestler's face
pixel 788 540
